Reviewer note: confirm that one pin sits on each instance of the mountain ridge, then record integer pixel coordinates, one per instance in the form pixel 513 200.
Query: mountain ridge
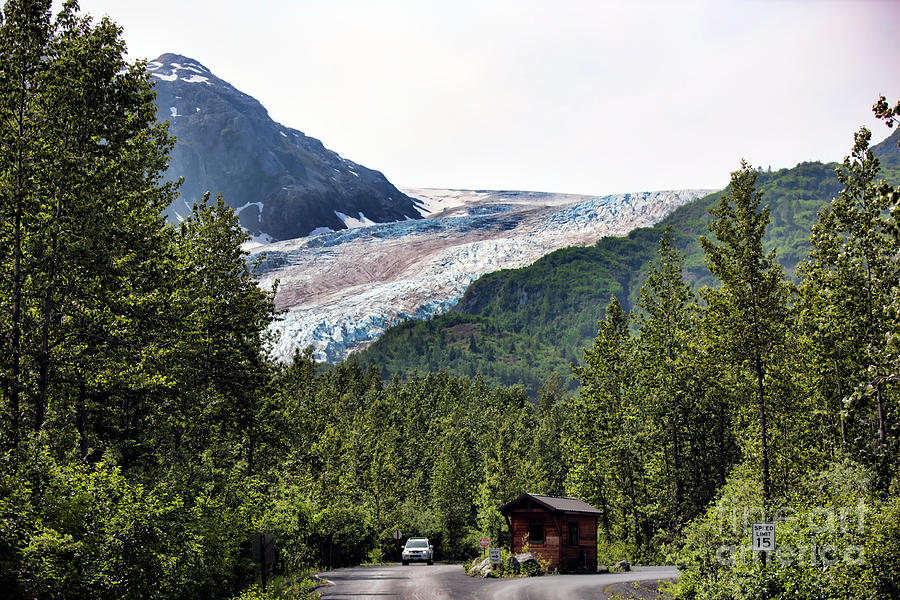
pixel 282 183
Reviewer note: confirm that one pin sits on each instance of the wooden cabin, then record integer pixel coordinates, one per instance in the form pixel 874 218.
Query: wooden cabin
pixel 562 531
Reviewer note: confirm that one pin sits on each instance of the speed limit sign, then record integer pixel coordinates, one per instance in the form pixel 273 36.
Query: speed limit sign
pixel 763 537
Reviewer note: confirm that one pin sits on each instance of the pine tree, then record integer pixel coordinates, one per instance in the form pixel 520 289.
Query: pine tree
pixel 602 442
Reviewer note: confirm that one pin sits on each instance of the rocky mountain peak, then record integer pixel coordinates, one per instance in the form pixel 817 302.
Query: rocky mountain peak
pixel 282 183
pixel 175 66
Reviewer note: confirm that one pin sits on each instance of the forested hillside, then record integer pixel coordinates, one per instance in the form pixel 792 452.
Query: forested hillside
pixel 518 326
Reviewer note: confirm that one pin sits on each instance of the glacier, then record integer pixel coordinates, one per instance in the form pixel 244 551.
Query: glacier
pixel 340 290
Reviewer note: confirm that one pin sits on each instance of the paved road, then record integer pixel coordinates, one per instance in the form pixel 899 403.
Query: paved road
pixel 439 582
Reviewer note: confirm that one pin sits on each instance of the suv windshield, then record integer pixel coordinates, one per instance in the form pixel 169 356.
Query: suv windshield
pixel 417 544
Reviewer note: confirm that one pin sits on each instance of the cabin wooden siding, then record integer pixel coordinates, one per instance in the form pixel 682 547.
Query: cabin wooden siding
pixel 557 547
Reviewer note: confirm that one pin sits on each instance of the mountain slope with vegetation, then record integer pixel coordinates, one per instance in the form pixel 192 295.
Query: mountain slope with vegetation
pixel 519 325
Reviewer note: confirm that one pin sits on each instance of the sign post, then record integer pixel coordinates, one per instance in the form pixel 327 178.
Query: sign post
pixel 764 539
pixel 398 535
pixel 484 542
pixel 263 550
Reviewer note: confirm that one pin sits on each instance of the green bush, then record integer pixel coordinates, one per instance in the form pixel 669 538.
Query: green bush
pixel 95 535
pixel 255 592
pixel 832 541
pixel 883 549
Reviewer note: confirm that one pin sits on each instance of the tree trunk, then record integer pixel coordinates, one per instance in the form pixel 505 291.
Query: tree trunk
pixel 762 433
pixel 676 468
pixel 43 363
pixel 18 201
pixel 837 374
pixel 605 509
pixel 761 400
pixel 47 312
pixel 633 497
pixel 721 439
pixel 81 419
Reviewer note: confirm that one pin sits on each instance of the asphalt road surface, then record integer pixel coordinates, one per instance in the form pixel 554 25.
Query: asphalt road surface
pixel 438 582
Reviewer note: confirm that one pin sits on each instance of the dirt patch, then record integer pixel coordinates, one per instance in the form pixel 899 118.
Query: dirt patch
pixel 464 330
pixel 638 590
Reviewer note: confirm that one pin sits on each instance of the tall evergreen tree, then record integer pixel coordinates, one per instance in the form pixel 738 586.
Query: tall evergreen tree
pixel 601 444
pixel 664 318
pixel 751 307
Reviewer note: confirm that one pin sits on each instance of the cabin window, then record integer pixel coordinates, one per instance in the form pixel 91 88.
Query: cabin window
pixel 536 532
pixel 573 533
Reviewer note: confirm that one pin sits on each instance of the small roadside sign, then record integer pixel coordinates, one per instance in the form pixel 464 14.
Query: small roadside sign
pixel 484 542
pixel 763 537
pixel 398 535
pixel 262 547
pixel 495 555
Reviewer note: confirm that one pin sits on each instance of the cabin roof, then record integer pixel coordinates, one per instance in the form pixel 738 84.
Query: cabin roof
pixel 560 504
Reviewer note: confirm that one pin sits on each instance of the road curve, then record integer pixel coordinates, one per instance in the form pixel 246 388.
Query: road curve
pixel 440 582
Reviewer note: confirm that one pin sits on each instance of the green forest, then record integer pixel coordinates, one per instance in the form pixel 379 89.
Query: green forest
pixel 738 363
pixel 517 326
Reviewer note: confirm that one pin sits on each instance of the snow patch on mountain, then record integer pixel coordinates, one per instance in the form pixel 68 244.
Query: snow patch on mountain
pixel 351 223
pixel 170 71
pixel 431 201
pixel 197 79
pixel 258 205
pixel 342 289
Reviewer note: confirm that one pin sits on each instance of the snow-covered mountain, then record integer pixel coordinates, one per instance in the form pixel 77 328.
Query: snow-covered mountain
pixel 282 183
pixel 342 289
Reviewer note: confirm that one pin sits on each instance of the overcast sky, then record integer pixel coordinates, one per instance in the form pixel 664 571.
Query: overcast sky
pixel 578 96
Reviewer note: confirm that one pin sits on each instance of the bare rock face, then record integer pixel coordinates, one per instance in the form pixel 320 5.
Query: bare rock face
pixel 282 183
pixel 342 290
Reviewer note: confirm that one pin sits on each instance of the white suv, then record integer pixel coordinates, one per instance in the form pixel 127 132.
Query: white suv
pixel 418 549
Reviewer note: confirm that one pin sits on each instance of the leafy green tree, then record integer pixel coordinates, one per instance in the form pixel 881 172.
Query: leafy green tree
pixel 507 470
pixel 220 353
pixel 81 199
pixel 601 445
pixel 847 290
pixel 547 452
pixel 453 488
pixel 664 313
pixel 751 308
